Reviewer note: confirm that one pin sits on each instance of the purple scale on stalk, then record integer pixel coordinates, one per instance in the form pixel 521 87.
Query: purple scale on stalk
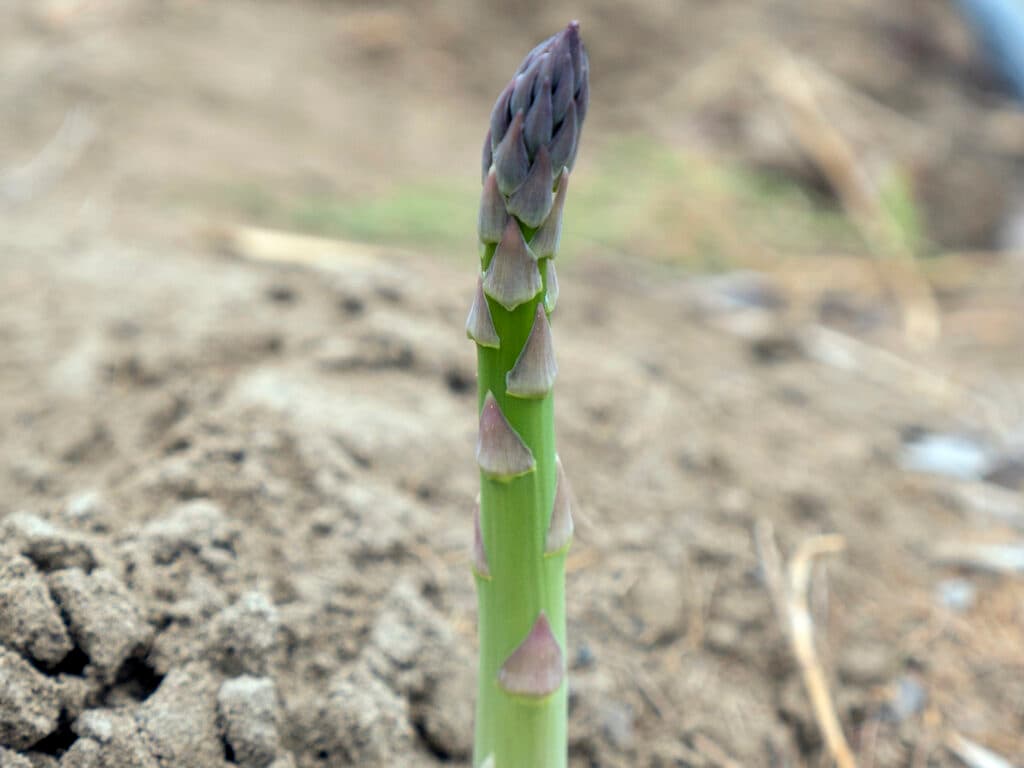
pixel 511 162
pixel 500 451
pixel 512 278
pixel 563 143
pixel 522 92
pixel 479 553
pixel 538 125
pixel 500 116
pixel 480 324
pixel 493 217
pixel 564 86
pixel 531 203
pixel 536 668
pixel 560 527
pixel 544 242
pixel 551 286
pixel 536 369
pixel 487 157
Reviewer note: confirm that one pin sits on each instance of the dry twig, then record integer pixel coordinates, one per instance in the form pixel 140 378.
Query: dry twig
pixel 790 601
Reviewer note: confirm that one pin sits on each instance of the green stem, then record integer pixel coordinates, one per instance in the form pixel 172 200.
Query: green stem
pixel 518 731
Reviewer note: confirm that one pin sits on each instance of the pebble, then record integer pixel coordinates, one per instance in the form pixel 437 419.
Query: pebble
pixel 248 712
pixel 956 594
pixel 247 635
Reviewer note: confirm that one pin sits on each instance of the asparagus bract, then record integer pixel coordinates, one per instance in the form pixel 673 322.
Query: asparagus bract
pixel 523 525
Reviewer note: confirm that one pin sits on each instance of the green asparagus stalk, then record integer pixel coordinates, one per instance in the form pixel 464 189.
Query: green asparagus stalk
pixel 523 524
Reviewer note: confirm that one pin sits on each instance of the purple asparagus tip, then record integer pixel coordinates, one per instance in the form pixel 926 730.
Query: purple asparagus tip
pixel 550 91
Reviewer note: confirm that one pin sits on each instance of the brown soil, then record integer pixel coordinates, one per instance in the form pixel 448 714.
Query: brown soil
pixel 235 496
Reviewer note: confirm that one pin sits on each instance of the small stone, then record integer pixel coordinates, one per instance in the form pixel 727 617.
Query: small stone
pixel 617 724
pixel 29 702
pixel 866 663
pixel 29 619
pixel 658 602
pixel 722 637
pixel 908 699
pixel 104 617
pixel 249 718
pixel 87 508
pixel 956 594
pixel 247 635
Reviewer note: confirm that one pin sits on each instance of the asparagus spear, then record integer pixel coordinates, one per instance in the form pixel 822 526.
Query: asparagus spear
pixel 523 524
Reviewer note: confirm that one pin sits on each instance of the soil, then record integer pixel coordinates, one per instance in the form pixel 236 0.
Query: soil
pixel 235 495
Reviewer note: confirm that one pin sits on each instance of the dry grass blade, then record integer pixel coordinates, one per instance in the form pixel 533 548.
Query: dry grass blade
pixel 802 637
pixel 974 755
pixel 789 598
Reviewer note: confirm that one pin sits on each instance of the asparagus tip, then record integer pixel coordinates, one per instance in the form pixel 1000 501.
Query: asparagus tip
pixel 535 370
pixel 535 668
pixel 500 451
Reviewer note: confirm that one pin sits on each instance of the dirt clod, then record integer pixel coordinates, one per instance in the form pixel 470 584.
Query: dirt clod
pixel 29 702
pixel 29 619
pixel 49 546
pixel 247 635
pixel 180 719
pixel 103 616
pixel 248 715
pixel 363 722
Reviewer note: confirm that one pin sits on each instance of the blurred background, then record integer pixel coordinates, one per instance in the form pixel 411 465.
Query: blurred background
pixel 237 242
